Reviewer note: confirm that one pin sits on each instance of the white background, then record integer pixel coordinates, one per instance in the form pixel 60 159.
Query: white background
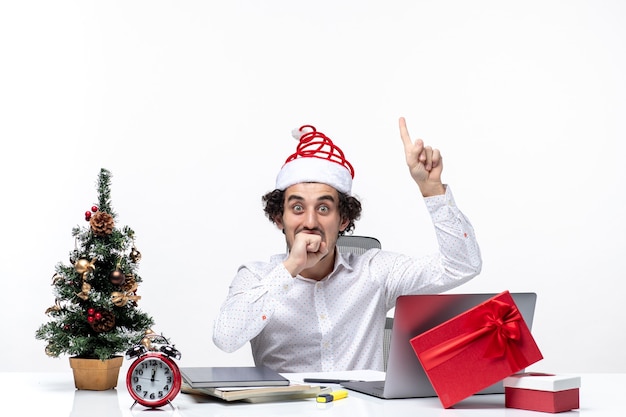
pixel 190 105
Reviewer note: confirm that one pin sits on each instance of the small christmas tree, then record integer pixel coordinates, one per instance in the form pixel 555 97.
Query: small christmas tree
pixel 95 313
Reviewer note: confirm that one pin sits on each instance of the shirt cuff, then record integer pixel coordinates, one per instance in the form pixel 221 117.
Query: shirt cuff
pixel 279 281
pixel 442 207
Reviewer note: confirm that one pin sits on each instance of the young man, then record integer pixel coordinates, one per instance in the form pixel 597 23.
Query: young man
pixel 314 309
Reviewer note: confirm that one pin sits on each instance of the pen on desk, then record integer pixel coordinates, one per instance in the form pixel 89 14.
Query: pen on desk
pixel 327 380
pixel 333 396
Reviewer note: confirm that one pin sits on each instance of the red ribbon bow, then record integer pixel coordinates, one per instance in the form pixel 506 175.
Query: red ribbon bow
pixel 497 320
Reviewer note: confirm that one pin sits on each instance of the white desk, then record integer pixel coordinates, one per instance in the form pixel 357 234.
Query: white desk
pixel 53 394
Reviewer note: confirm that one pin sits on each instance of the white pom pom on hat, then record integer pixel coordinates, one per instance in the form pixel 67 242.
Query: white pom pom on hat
pixel 317 159
pixel 297 133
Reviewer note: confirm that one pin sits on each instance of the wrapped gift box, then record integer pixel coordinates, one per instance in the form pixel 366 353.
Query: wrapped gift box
pixel 476 349
pixel 542 392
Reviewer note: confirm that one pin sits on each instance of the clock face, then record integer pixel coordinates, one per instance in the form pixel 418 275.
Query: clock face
pixel 153 380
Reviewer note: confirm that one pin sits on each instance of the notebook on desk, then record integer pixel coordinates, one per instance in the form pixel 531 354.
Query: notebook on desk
pixel 231 376
pixel 414 314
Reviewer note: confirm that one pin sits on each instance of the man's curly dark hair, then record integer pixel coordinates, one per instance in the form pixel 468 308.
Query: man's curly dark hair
pixel 349 207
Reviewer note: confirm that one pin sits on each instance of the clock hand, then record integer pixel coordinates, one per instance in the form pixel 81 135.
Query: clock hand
pixel 153 374
pixel 148 379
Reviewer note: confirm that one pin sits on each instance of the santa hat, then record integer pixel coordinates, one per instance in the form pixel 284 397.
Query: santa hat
pixel 317 159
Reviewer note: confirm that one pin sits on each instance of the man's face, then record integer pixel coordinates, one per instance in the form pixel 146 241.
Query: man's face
pixel 312 208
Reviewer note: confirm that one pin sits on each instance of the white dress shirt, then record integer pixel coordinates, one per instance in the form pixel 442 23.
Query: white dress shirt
pixel 299 325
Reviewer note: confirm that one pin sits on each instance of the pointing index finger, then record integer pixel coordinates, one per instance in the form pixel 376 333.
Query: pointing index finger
pixel 404 132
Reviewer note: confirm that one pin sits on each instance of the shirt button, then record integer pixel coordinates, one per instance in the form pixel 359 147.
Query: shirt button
pixel 323 316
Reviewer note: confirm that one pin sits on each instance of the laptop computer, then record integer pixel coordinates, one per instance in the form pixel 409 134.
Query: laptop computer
pixel 414 314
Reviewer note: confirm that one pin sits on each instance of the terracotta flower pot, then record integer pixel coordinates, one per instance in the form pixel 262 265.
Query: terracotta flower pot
pixel 95 374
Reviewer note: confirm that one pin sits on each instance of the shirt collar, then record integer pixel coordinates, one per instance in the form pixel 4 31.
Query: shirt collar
pixel 341 261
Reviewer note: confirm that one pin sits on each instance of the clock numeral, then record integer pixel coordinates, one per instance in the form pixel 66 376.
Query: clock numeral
pixel 138 388
pixel 169 379
pixel 166 388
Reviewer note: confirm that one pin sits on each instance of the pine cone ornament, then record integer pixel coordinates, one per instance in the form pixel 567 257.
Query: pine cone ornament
pixel 104 323
pixel 131 284
pixel 101 224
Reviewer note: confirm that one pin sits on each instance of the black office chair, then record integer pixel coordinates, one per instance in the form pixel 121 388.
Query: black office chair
pixel 387 340
pixel 356 244
pixel 359 245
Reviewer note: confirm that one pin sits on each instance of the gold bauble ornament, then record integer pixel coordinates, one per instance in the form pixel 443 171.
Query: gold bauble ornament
pixel 135 255
pixel 83 266
pixel 49 351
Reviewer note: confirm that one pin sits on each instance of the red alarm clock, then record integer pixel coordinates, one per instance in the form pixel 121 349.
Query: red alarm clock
pixel 153 379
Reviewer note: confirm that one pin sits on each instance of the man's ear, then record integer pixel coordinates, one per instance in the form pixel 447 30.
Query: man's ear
pixel 278 221
pixel 344 224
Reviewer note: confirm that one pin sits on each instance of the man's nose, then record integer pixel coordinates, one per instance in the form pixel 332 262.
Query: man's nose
pixel 310 220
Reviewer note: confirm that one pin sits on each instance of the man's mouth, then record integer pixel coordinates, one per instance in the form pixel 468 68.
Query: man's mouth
pixel 311 232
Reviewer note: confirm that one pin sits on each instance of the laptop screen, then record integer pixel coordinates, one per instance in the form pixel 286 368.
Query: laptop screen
pixel 415 314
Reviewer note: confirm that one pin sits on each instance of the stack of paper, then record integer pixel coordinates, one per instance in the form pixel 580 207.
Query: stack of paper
pixel 259 394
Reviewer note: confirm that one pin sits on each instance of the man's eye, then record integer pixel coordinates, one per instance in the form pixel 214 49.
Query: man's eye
pixel 297 208
pixel 324 209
